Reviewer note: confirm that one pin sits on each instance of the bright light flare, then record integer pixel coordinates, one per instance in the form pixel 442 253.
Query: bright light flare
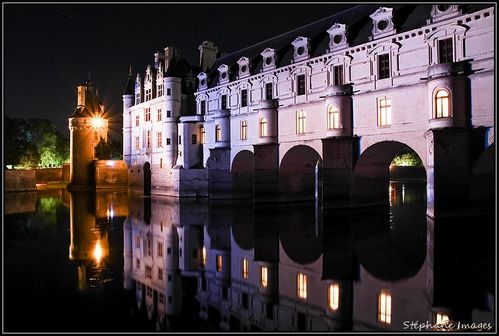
pixel 98 252
pixel 97 122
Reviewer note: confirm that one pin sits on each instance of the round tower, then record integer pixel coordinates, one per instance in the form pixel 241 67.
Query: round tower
pixel 127 118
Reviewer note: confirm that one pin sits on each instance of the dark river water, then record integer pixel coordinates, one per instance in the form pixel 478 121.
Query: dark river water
pixel 112 261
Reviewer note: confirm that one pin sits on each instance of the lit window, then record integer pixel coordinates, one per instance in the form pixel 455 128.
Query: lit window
pixel 218 133
pixel 160 273
pixel 137 120
pixel 263 127
pixel 245 268
pixel 244 98
pixel 300 85
pixel 264 277
pixel 160 114
pixel 302 286
pixel 160 139
pixel 442 109
pixel 445 51
pixel 440 318
pixel 301 117
pixel 338 75
pixel 219 263
pixel 147 114
pixel 268 91
pixel 384 307
pixel 333 118
pixel 160 249
pixel 244 130
pixel 203 135
pixel 383 66
pixel 384 111
pixel 148 139
pixel 334 296
pixel 203 256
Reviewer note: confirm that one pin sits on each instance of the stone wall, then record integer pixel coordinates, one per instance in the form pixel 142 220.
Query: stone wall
pixel 20 180
pixel 47 175
pixel 110 174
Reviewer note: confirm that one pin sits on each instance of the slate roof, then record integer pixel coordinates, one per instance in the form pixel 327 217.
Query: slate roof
pixel 405 18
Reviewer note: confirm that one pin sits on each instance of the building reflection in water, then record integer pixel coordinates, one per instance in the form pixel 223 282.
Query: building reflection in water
pixel 261 267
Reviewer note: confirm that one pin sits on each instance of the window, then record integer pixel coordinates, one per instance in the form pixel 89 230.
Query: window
pixel 203 107
pixel 179 139
pixel 440 318
pixel 159 138
pixel 168 113
pixel 147 114
pixel 338 75
pixel 244 98
pixel 149 291
pixel 223 103
pixel 160 90
pixel 137 120
pixel 268 91
pixel 219 263
pixel 137 242
pixel 333 118
pixel 244 130
pixel 264 276
pixel 159 114
pixel 96 135
pixel 160 273
pixel 137 143
pixel 301 118
pixel 148 139
pixel 149 247
pixel 383 66
pixel 218 133
pixel 137 263
pixel 203 256
pixel 245 268
pixel 300 85
pixel 161 298
pixel 302 286
pixel 161 166
pixel 203 135
pixel 148 94
pixel 263 127
pixel 160 249
pixel 334 297
pixel 385 307
pixel 244 300
pixel 168 141
pixel 384 111
pixel 148 272
pixel 168 250
pixel 137 98
pixel 194 139
pixel 445 51
pixel 168 91
pixel 442 109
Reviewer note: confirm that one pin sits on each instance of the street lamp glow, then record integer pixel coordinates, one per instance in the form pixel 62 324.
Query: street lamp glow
pixel 97 122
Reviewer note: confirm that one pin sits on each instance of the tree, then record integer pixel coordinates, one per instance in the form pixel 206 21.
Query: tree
pixel 407 158
pixel 103 150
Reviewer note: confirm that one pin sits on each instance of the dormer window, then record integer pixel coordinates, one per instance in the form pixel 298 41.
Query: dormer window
pixel 243 67
pixel 223 72
pixel 337 37
pixel 443 12
pixel 203 82
pixel 138 90
pixel 382 23
pixel 301 46
pixel 268 59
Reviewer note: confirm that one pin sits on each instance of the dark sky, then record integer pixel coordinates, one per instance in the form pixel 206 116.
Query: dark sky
pixel 49 49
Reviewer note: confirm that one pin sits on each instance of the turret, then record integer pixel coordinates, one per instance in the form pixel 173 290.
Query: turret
pixel 208 52
pixel 127 118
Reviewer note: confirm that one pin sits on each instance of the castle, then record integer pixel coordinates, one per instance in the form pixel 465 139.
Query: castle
pixel 331 102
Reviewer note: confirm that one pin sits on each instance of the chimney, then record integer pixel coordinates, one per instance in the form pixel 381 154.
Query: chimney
pixel 82 92
pixel 170 52
pixel 207 55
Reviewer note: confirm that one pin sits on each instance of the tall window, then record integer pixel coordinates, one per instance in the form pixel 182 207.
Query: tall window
pixel 442 109
pixel 445 52
pixel 137 120
pixel 148 94
pixel 384 111
pixel 301 286
pixel 160 90
pixel 338 75
pixel 301 118
pixel 203 135
pixel 147 114
pixel 245 268
pixel 148 139
pixel 137 98
pixel 385 307
pixel 219 263
pixel 333 118
pixel 263 127
pixel 194 139
pixel 159 114
pixel 218 133
pixel 203 256
pixel 137 143
pixel 160 273
pixel 159 137
pixel 244 98
pixel 264 276
pixel 383 66
pixel 148 272
pixel 334 297
pixel 223 104
pixel 168 91
pixel 268 91
pixel 202 107
pixel 244 130
pixel 300 85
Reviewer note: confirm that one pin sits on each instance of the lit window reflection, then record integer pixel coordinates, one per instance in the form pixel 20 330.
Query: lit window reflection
pixel 334 296
pixel 264 280
pixel 302 286
pixel 385 307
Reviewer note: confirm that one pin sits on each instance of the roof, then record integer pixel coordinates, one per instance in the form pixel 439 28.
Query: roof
pixel 359 25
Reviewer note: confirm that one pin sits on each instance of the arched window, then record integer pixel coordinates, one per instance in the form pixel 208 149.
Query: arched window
pixel 333 118
pixel 442 108
pixel 263 127
pixel 218 133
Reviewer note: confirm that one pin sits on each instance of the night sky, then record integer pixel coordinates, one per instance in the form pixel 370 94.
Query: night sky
pixel 49 49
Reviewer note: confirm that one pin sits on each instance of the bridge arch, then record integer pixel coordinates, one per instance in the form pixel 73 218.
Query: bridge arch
pixel 482 174
pixel 297 173
pixel 242 169
pixel 371 177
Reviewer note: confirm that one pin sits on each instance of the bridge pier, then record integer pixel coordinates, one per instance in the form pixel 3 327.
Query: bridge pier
pixel 220 177
pixel 266 175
